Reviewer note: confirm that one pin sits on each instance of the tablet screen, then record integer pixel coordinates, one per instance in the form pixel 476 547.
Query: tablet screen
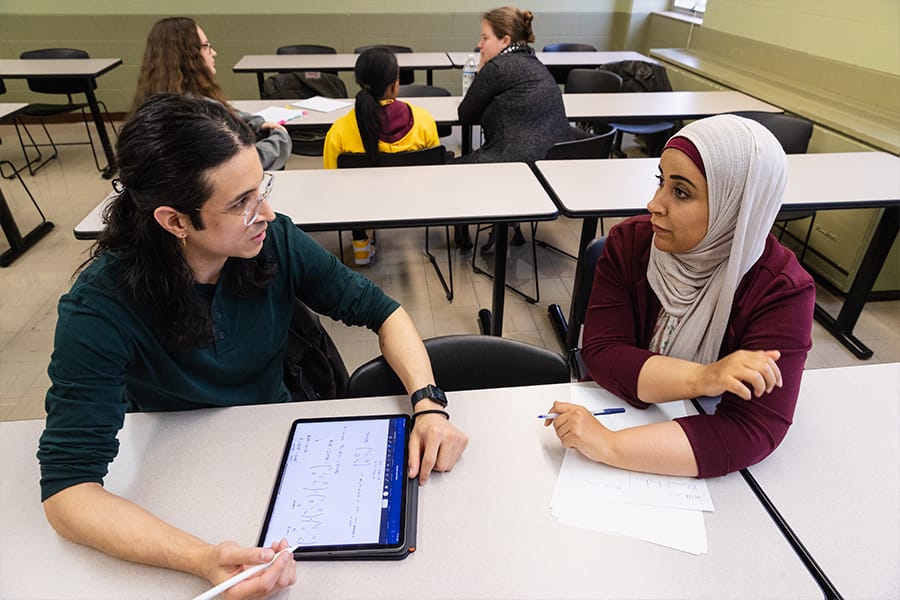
pixel 342 484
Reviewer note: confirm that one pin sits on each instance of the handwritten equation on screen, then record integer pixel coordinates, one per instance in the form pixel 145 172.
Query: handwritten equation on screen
pixel 331 491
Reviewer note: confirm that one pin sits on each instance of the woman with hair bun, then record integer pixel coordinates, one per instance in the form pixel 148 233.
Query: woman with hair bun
pixel 513 97
pixel 378 123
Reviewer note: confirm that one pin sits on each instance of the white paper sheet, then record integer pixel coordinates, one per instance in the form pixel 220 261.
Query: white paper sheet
pixel 659 509
pixel 279 114
pixel 322 104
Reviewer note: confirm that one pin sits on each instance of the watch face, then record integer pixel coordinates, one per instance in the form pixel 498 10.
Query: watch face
pixel 432 392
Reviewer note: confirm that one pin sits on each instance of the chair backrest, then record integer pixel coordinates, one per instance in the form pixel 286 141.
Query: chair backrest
pixel 580 296
pixel 569 47
pixel 793 132
pixel 583 286
pixel 597 146
pixel 592 81
pixel 436 155
pixel 57 85
pixel 306 49
pixel 407 76
pixel 468 362
pixel 413 90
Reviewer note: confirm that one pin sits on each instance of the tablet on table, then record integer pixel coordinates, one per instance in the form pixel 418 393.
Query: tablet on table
pixel 342 490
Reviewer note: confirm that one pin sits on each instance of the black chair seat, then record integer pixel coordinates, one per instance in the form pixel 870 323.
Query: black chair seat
pixel 467 362
pixel 51 110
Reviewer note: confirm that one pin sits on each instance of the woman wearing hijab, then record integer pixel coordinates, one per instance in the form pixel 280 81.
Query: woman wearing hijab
pixel 699 299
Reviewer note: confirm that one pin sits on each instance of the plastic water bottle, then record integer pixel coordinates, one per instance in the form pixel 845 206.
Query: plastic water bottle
pixel 468 73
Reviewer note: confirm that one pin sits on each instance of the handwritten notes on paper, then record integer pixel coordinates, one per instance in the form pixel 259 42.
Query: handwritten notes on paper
pixel 660 509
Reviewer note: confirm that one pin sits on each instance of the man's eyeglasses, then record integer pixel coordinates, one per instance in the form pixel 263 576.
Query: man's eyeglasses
pixel 249 207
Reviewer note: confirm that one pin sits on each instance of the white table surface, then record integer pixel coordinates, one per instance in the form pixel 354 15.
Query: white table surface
pixel 836 477
pixel 253 63
pixel 11 108
pixel 484 530
pixel 663 105
pixel 441 108
pixel 623 106
pixel 320 199
pixel 606 188
pixel 565 59
pixel 17 68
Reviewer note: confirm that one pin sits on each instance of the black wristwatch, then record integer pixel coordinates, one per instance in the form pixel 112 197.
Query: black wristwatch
pixel 432 392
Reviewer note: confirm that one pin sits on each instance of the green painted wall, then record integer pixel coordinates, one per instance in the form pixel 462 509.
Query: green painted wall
pixel 865 33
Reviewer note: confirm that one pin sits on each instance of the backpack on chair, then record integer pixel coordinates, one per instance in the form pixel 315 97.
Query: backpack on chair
pixel 305 84
pixel 313 367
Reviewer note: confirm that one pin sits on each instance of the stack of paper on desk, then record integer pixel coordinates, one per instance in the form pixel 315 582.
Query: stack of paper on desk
pixel 322 104
pixel 279 114
pixel 656 508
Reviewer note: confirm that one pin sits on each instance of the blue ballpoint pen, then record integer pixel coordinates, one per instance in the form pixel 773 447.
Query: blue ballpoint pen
pixel 597 413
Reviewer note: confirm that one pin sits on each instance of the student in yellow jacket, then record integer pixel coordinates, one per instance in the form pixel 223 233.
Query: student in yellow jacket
pixel 378 123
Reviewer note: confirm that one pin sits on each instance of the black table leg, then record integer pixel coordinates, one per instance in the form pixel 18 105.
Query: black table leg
pixel 491 321
pixel 876 254
pixel 111 167
pixel 260 81
pixel 18 244
pixel 568 336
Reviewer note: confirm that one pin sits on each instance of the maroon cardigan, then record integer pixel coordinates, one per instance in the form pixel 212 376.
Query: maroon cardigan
pixel 772 310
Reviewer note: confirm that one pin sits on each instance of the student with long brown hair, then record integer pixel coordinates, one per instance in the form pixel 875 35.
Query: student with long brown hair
pixel 179 58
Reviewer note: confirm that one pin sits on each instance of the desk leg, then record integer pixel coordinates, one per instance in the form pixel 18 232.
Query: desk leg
pixel 17 243
pixel 876 254
pixel 429 76
pixel 110 168
pixel 466 142
pixel 491 321
pixel 260 81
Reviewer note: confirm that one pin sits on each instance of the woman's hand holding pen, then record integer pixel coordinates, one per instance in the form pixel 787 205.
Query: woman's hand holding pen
pixel 228 559
pixel 577 428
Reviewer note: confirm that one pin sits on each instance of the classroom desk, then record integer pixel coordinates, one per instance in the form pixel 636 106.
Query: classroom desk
pixel 18 243
pixel 564 59
pixel 87 69
pixel 485 529
pixel 457 194
pixel 613 107
pixel 591 189
pixel 269 63
pixel 835 479
pixel 441 108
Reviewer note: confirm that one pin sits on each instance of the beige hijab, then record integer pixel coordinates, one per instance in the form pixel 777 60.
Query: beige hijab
pixel 746 171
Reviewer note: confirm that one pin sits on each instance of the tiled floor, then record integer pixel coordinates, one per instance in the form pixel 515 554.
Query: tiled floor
pixel 69 187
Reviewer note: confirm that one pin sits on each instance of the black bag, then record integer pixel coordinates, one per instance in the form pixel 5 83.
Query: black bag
pixel 313 367
pixel 305 84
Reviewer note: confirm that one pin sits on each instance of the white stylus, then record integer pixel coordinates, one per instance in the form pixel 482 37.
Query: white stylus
pixel 230 583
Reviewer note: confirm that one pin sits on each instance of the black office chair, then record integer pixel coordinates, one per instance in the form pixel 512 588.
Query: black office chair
pixel 597 146
pixel 428 156
pixel 581 293
pixel 59 86
pixel 642 76
pixel 592 81
pixel 467 362
pixel 407 76
pixel 560 74
pixel 794 134
pixel 307 49
pixel 424 91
